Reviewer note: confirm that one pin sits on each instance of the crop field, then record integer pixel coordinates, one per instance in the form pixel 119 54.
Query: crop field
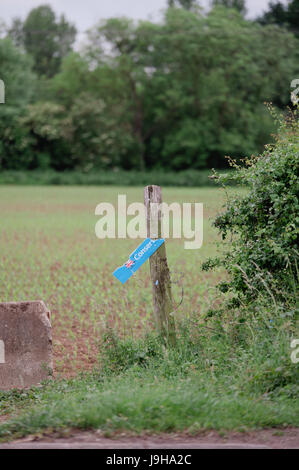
pixel 49 251
pixel 217 377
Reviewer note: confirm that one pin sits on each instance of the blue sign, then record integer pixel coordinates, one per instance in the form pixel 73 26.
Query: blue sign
pixel 137 258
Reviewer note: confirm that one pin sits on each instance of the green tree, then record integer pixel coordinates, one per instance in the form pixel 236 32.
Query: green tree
pixel 16 32
pixel 178 94
pixel 293 16
pixel 45 37
pixel 16 72
pixel 124 75
pixel 187 4
pixel 210 82
pixel 187 91
pixel 286 15
pixel 275 15
pixel 20 82
pixel 97 137
pixel 43 125
pixel 239 5
pixel 73 78
pixel 83 136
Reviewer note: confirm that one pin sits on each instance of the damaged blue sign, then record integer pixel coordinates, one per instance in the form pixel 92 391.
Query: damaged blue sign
pixel 137 258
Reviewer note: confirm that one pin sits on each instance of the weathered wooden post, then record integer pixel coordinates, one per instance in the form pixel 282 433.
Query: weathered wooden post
pixel 161 282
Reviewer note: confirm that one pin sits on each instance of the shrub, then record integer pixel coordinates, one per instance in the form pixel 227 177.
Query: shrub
pixel 263 224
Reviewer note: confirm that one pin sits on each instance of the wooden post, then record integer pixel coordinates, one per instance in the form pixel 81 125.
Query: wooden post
pixel 161 282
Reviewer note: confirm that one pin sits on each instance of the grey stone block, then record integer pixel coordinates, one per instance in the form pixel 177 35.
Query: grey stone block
pixel 25 344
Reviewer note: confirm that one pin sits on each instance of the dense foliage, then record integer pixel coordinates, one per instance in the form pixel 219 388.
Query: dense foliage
pixel 179 94
pixel 263 256
pixel 46 38
pixel 283 14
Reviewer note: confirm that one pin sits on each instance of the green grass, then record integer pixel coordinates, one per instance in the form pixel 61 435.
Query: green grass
pixel 181 405
pixel 209 381
pixel 225 373
pixel 187 178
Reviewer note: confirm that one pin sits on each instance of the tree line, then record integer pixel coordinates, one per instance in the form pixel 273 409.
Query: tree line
pixel 172 95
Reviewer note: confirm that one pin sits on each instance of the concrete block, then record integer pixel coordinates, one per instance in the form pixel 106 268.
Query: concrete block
pixel 25 344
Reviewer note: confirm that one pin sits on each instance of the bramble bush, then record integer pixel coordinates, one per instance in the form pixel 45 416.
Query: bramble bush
pixel 263 254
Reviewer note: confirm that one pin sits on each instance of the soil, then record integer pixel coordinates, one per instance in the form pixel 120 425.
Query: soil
pixel 265 439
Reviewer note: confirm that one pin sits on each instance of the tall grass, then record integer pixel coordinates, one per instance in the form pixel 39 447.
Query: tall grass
pixel 222 374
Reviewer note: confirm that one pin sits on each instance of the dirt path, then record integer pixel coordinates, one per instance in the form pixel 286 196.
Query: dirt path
pixel 266 439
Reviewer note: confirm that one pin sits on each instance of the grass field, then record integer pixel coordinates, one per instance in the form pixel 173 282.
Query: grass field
pixel 49 251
